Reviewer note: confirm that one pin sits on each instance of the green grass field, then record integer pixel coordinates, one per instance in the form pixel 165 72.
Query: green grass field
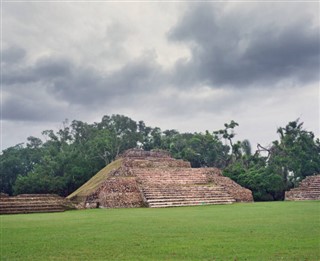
pixel 257 231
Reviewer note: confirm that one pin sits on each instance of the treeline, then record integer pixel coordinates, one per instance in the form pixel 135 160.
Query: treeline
pixel 62 161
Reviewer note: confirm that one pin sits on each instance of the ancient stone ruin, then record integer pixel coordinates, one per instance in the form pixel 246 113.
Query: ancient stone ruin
pixel 33 203
pixel 308 189
pixel 154 179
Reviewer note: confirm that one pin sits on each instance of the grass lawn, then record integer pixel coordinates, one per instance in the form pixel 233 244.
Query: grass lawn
pixel 251 231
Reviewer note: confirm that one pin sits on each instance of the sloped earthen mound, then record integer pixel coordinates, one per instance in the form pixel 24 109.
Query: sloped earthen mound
pixel 33 203
pixel 308 189
pixel 154 179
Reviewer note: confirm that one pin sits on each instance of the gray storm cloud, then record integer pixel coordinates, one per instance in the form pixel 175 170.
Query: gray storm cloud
pixel 78 65
pixel 64 80
pixel 236 50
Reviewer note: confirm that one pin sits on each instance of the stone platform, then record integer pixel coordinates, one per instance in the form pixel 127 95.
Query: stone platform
pixel 33 203
pixel 154 179
pixel 308 189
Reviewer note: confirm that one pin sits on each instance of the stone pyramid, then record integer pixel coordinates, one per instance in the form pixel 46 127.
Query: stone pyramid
pixel 154 179
pixel 308 189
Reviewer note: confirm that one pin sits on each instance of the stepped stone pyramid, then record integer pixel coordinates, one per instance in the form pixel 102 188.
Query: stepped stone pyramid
pixel 33 203
pixel 308 189
pixel 154 179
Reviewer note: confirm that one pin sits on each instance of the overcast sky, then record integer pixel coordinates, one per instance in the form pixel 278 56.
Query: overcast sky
pixel 176 65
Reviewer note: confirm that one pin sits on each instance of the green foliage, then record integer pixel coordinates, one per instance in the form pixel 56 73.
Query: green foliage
pixel 68 158
pixel 18 160
pixel 297 152
pixel 91 185
pixel 202 150
pixel 259 231
pixel 36 182
pixel 264 184
pixel 295 156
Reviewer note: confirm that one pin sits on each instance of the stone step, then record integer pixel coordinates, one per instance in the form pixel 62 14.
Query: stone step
pixel 301 194
pixel 171 173
pixel 187 196
pixel 196 186
pixel 190 195
pixel 188 203
pixel 305 191
pixel 183 193
pixel 166 179
pixel 8 202
pixel 176 177
pixel 30 207
pixel 31 203
pixel 184 189
pixel 30 210
pixel 307 188
pixel 16 199
pixel 3 206
pixel 212 199
pixel 30 198
pixel 304 198
pixel 315 186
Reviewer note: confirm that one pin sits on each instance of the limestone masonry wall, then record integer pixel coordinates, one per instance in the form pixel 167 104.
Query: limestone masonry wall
pixel 154 179
pixel 33 203
pixel 308 189
pixel 139 153
pixel 239 193
pixel 116 192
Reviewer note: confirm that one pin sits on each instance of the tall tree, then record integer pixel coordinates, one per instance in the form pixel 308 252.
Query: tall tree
pixel 296 155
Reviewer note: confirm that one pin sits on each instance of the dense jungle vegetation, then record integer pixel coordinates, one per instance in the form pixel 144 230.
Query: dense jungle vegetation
pixel 62 161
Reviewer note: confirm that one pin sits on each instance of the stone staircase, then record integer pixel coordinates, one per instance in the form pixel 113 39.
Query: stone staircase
pixel 141 178
pixel 33 203
pixel 186 195
pixel 308 189
pixel 179 187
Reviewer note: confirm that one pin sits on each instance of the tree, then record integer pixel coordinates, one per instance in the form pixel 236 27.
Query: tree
pixel 64 160
pixel 288 161
pixel 18 160
pixel 254 174
pixel 296 155
pixel 228 134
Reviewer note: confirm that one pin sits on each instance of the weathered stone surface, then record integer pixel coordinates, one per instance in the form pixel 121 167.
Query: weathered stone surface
pixel 155 179
pixel 139 153
pixel 156 163
pixel 308 189
pixel 117 192
pixel 33 203
pixel 239 193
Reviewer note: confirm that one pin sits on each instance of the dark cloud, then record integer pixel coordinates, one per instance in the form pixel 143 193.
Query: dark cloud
pixel 228 48
pixel 84 61
pixel 52 68
pixel 231 49
pixel 12 55
pixel 45 69
pixel 31 108
pixel 27 88
pixel 87 86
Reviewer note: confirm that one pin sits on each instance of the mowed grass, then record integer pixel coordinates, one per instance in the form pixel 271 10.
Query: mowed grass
pixel 252 231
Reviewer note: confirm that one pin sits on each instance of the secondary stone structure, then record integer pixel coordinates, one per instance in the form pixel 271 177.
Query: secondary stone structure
pixel 33 203
pixel 308 189
pixel 154 179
